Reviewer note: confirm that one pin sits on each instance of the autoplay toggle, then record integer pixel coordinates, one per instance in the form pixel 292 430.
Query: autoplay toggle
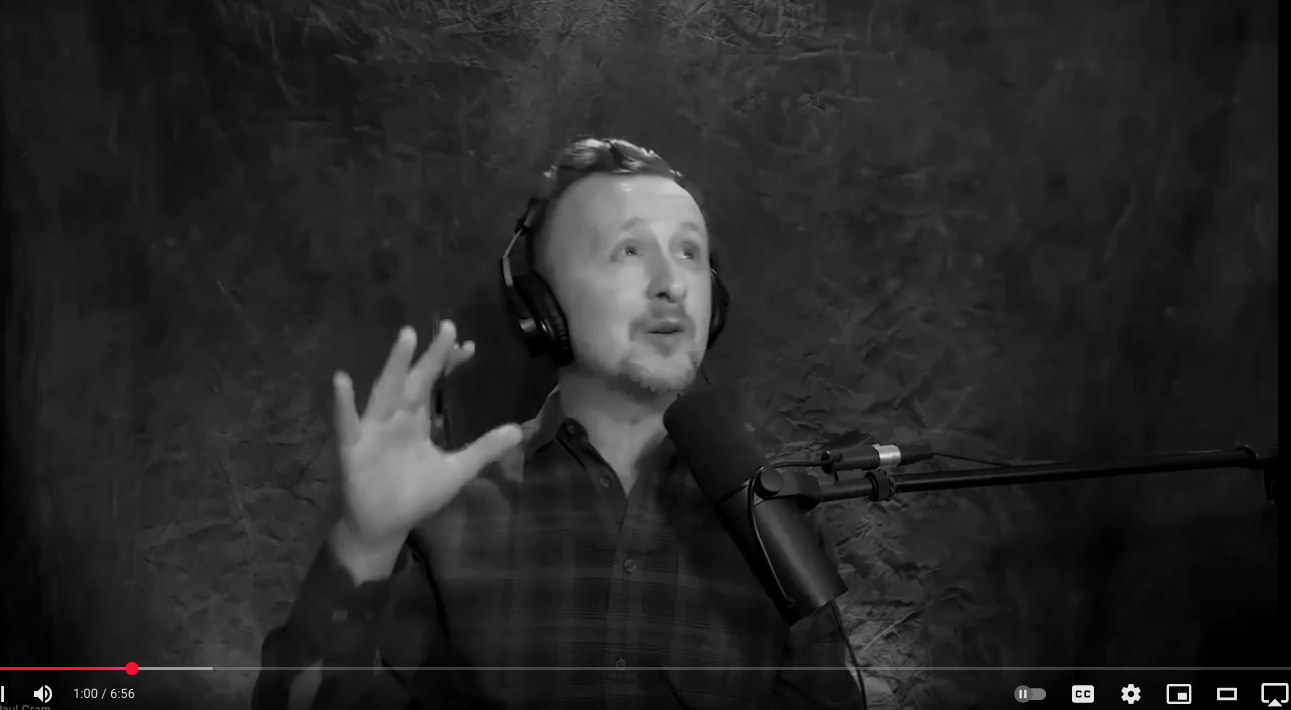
pixel 1023 694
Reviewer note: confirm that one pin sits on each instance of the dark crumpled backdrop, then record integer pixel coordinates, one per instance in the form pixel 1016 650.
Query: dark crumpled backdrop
pixel 1008 229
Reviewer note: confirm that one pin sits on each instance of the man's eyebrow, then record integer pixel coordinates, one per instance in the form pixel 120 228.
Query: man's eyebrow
pixel 689 224
pixel 693 226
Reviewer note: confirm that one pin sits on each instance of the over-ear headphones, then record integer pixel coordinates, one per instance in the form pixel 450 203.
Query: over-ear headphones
pixel 538 318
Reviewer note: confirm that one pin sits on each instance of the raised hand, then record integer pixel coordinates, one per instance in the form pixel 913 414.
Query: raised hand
pixel 393 475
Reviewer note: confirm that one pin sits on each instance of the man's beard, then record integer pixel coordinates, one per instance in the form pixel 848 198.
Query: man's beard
pixel 661 376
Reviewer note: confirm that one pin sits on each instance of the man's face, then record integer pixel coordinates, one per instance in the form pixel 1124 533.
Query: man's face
pixel 628 261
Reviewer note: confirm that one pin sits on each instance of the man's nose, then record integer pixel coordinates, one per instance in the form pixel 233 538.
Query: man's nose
pixel 668 281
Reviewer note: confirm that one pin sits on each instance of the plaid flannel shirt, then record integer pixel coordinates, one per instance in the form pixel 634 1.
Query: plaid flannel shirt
pixel 543 586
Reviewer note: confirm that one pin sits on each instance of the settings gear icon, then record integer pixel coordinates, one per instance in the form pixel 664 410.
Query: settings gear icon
pixel 1130 694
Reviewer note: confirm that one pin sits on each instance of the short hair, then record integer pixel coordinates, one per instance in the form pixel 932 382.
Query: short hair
pixel 580 159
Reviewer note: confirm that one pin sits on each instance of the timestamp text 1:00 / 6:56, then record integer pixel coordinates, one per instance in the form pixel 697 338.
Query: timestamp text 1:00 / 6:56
pixel 103 693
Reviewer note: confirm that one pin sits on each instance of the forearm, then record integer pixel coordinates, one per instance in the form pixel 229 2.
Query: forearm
pixel 333 624
pixel 364 561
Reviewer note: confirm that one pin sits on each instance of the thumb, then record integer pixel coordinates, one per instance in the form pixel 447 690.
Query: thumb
pixel 486 449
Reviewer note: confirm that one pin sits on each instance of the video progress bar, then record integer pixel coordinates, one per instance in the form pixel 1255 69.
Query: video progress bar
pixel 881 669
pixel 133 668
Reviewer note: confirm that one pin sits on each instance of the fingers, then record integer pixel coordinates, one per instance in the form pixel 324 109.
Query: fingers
pixel 485 450
pixel 387 393
pixel 431 365
pixel 345 413
pixel 403 385
pixel 460 355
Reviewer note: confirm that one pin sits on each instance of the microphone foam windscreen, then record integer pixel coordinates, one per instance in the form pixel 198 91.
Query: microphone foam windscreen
pixel 721 453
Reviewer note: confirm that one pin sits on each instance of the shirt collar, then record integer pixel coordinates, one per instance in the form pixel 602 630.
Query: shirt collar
pixel 543 428
pixel 539 431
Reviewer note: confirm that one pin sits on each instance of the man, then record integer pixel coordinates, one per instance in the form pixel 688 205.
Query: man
pixel 572 562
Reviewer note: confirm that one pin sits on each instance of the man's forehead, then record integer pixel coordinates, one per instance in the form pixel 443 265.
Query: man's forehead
pixel 609 204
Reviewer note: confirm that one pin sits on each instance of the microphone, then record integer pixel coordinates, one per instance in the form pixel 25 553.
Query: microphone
pixel 772 534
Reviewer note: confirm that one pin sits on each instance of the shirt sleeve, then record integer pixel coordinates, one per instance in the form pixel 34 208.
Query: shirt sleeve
pixel 368 642
pixel 817 673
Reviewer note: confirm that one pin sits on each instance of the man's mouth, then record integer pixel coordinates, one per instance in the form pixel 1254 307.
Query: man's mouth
pixel 669 328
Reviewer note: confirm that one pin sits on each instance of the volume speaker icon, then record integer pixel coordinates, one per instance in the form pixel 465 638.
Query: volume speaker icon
pixel 43 693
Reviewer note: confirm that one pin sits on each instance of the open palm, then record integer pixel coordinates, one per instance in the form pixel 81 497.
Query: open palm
pixel 393 475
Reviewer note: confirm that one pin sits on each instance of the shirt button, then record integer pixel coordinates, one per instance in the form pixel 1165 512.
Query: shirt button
pixel 606 482
pixel 629 566
pixel 620 665
pixel 340 615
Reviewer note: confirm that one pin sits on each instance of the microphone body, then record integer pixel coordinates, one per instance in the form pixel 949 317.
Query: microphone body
pixel 724 460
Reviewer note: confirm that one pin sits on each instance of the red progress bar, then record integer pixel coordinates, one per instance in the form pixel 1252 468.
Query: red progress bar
pixel 131 668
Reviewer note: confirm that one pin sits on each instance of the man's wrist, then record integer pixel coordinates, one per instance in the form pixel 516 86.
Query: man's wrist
pixel 365 560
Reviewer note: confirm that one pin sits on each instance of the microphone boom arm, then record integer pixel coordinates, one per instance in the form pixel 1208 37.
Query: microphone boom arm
pixel 808 491
pixel 880 485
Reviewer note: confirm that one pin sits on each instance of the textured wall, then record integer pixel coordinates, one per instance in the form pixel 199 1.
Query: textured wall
pixel 1009 229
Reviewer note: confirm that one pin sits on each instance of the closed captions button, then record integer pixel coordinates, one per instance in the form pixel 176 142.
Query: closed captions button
pixel 1023 694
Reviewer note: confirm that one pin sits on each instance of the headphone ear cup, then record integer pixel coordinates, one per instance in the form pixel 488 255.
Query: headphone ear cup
pixel 721 304
pixel 553 329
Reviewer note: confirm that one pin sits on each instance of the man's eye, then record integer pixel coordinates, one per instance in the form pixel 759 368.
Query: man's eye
pixel 694 252
pixel 630 250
